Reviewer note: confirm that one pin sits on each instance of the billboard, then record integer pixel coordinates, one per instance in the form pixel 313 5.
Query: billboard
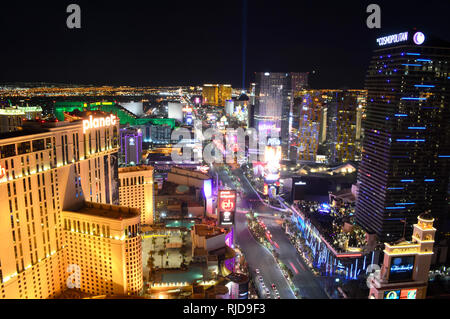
pixel 408 294
pixel 226 218
pixel 207 188
pixel 392 294
pixel 298 188
pixel 400 294
pixel 227 207
pixel 401 268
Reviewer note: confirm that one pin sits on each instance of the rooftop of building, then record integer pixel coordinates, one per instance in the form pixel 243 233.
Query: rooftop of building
pixel 135 168
pixel 170 188
pixel 426 216
pixel 207 230
pixel 243 97
pixel 400 242
pixel 345 194
pixel 32 127
pixel 21 132
pixel 318 169
pixel 188 172
pixel 106 211
pixel 8 111
pixel 238 278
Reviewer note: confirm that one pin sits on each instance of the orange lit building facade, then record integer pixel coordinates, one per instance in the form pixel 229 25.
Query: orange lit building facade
pixel 216 94
pixel 104 241
pixel 47 168
pixel 136 190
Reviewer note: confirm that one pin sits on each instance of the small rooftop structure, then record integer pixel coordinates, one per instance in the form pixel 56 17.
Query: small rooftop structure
pixel 107 211
pixel 137 168
pixel 207 231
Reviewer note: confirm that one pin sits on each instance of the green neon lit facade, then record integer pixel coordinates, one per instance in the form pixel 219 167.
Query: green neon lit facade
pixel 124 115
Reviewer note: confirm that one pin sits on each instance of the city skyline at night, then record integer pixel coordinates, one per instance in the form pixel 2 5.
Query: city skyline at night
pixel 254 151
pixel 153 44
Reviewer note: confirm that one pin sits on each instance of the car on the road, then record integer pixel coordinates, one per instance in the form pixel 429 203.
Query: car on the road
pixel 274 287
pixel 277 294
pixel 257 271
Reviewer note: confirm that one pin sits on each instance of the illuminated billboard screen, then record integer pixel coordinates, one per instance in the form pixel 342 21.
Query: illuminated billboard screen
pixel 272 156
pixel 408 294
pixel 392 294
pixel 401 268
pixel 227 207
pixel 207 188
pixel 401 294
pixel 298 188
pixel 226 218
pixel 227 201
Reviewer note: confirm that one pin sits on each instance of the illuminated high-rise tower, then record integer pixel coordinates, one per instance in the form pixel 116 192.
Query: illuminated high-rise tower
pixel 216 94
pixel 59 186
pixel 274 101
pixel 406 151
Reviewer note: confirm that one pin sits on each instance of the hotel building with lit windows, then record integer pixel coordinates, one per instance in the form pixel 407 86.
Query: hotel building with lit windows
pixel 104 241
pixel 274 93
pixel 406 148
pixel 136 190
pixel 10 119
pixel 46 169
pixel 216 94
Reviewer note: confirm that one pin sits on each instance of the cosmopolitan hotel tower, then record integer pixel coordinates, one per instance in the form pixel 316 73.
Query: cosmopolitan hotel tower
pixel 405 160
pixel 58 186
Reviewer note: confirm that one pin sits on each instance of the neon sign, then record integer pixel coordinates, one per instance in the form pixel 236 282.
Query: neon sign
pixel 207 188
pixel 395 38
pixel 99 122
pixel 401 294
pixel 227 206
pixel 419 38
pixel 393 294
pixel 268 127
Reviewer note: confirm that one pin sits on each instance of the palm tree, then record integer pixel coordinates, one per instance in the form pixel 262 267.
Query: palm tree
pixel 154 242
pixel 183 252
pixel 161 253
pixel 151 262
pixel 290 273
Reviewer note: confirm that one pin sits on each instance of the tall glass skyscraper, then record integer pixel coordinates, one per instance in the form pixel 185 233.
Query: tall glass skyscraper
pixel 274 99
pixel 406 152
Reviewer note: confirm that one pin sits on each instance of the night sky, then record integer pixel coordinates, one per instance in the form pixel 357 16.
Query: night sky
pixel 193 42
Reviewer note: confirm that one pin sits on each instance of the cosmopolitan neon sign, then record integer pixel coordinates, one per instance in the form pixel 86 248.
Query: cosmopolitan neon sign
pixel 395 38
pixel 99 122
